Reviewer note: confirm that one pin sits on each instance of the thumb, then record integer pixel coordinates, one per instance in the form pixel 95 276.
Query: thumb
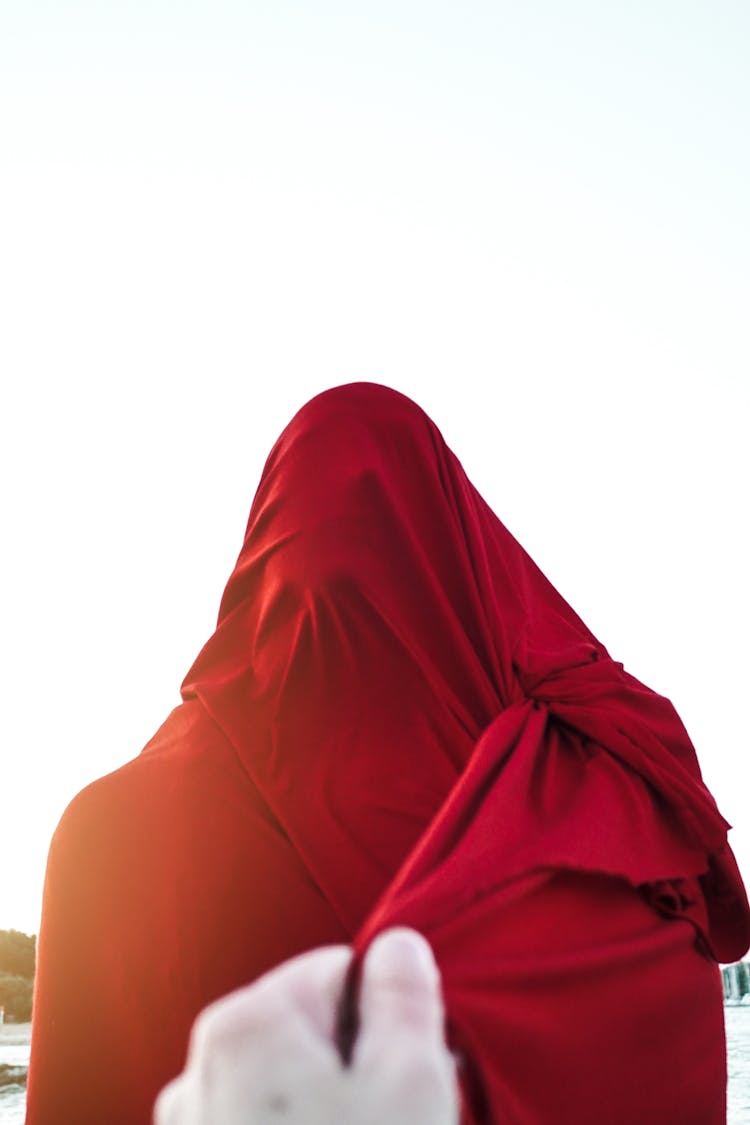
pixel 400 990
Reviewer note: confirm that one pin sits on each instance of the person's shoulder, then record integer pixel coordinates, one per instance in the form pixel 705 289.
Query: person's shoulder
pixel 184 761
pixel 89 819
pixel 103 803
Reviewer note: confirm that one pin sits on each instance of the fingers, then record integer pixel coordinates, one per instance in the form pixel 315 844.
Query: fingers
pixel 265 1049
pixel 269 1049
pixel 302 991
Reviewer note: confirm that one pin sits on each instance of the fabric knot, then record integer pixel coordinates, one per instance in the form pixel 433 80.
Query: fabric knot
pixel 559 677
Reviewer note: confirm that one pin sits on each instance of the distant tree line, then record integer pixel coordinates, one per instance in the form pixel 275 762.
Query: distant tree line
pixel 17 966
pixel 736 980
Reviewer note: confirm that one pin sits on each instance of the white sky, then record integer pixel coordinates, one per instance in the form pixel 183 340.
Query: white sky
pixel 531 217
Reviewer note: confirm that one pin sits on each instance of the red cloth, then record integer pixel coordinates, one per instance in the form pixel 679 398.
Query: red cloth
pixel 399 719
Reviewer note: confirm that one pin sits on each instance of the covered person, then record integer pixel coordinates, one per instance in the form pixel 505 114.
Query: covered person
pixel 399 721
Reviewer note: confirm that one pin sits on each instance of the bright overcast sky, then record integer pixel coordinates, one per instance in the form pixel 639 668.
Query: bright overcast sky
pixel 531 217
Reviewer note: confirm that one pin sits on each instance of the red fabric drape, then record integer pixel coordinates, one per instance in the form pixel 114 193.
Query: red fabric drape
pixel 399 720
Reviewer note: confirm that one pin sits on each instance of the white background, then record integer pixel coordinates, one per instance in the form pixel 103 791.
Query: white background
pixel 531 217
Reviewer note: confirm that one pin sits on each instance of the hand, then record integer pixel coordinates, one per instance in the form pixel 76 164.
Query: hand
pixel 266 1054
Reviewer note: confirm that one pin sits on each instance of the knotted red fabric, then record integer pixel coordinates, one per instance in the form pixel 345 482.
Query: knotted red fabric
pixel 400 721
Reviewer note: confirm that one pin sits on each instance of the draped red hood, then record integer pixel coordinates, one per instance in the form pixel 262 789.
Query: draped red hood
pixel 400 680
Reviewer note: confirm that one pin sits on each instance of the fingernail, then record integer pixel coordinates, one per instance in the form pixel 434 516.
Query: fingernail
pixel 401 952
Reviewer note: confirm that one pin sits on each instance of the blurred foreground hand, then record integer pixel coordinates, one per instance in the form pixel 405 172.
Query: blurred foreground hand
pixel 266 1055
